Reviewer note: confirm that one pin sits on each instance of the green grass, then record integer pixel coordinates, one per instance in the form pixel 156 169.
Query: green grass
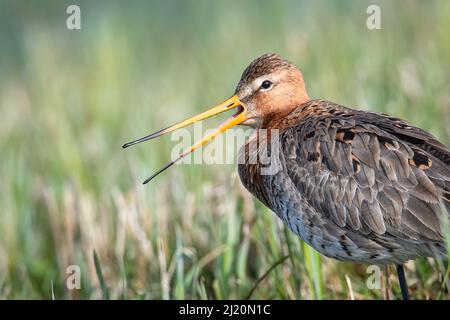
pixel 70 99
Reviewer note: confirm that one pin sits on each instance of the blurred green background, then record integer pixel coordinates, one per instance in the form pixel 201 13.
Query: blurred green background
pixel 70 98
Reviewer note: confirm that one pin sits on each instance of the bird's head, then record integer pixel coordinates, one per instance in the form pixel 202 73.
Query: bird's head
pixel 269 86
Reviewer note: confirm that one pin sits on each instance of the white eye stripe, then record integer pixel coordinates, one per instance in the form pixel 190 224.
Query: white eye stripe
pixel 248 90
pixel 258 81
pixel 272 77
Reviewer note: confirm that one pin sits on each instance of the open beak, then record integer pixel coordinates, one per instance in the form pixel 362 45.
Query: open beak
pixel 237 118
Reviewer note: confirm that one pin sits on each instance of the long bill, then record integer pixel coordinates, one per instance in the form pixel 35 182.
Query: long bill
pixel 228 104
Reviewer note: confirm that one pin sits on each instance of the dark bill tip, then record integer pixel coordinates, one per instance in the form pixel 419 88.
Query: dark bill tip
pixel 149 137
pixel 167 166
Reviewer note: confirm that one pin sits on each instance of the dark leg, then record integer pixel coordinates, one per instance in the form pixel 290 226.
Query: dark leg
pixel 402 281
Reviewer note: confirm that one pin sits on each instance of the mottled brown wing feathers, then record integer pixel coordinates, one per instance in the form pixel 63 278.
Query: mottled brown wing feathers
pixel 369 172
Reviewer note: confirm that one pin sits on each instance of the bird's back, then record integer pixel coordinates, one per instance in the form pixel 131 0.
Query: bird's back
pixel 355 185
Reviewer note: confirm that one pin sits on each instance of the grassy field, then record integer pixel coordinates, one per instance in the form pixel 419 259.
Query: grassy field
pixel 70 99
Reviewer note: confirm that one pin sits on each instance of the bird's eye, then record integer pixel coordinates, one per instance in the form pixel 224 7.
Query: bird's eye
pixel 266 85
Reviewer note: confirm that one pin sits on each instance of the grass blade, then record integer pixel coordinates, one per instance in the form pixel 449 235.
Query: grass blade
pixel 260 279
pixel 101 279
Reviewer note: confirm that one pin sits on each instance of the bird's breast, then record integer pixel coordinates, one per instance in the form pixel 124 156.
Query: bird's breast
pixel 262 171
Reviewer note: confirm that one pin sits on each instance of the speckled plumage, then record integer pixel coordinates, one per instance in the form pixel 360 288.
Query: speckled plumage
pixel 354 185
